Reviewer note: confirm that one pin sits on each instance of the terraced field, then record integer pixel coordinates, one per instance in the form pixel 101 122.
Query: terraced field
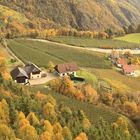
pixel 41 53
pixel 94 43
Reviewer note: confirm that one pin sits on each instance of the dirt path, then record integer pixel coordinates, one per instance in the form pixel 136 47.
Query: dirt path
pixel 13 55
pixel 88 49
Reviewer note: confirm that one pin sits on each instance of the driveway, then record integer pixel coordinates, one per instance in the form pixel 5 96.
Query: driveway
pixel 88 49
pixel 43 80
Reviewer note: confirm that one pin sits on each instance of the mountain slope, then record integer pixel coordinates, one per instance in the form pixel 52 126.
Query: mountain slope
pixel 88 14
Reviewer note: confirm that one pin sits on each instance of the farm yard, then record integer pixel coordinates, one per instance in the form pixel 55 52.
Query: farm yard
pixel 94 43
pixel 41 53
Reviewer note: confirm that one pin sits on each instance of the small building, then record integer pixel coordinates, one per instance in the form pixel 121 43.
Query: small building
pixel 121 62
pixel 129 69
pixel 32 71
pixel 19 75
pixel 66 69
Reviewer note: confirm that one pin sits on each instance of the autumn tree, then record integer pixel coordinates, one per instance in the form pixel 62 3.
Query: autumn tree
pixel 49 112
pixel 107 98
pixel 102 35
pixel 81 136
pixel 51 66
pixel 33 119
pixel 6 133
pixel 67 133
pixel 4 112
pixel 48 127
pixel 28 132
pixel 90 93
pixel 45 136
pixel 58 130
pixel 130 108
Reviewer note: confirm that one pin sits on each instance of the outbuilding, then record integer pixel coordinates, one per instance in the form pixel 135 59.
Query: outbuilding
pixel 19 75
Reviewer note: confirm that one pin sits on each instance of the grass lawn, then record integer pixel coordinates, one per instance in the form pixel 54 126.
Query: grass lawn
pixel 41 53
pixel 135 38
pixel 93 43
pixel 130 82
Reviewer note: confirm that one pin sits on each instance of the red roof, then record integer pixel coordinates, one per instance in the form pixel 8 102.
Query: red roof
pixel 129 68
pixel 122 61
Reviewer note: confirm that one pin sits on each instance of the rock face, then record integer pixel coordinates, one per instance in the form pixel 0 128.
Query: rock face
pixel 80 14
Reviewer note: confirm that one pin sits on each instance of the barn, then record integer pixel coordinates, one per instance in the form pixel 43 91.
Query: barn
pixel 19 75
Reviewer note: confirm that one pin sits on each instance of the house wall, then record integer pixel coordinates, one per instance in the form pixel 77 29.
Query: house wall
pixel 129 74
pixel 65 74
pixel 35 76
pixel 21 80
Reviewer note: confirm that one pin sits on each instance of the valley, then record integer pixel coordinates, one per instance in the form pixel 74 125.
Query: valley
pixel 69 70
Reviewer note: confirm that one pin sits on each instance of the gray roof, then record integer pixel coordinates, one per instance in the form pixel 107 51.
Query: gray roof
pixel 30 68
pixel 18 72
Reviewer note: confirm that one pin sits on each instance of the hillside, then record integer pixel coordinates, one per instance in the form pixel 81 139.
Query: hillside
pixel 38 113
pixel 88 14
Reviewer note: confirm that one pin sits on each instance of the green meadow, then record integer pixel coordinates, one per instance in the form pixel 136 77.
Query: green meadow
pixel 132 38
pixel 41 53
pixel 93 42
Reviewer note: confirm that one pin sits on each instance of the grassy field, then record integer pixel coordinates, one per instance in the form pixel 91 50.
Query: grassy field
pixel 41 53
pixel 128 82
pixel 135 38
pixel 94 43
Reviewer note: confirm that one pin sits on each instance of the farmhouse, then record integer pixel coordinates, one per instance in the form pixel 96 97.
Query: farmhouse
pixel 66 69
pixel 32 71
pixel 129 69
pixel 121 62
pixel 19 75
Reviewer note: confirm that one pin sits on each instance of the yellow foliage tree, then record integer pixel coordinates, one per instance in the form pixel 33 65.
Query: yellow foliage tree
pixel 45 136
pixel 86 123
pixel 4 112
pixel 6 133
pixel 130 108
pixel 90 93
pixel 49 109
pixel 57 128
pixel 67 133
pixel 48 127
pixel 28 132
pixel 33 119
pixel 81 136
